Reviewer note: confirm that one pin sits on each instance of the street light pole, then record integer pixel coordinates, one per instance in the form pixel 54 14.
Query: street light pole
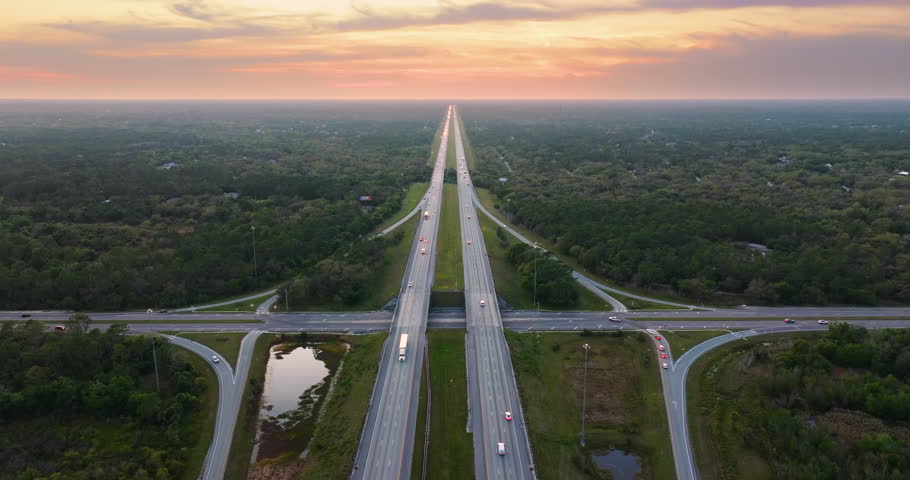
pixel 535 275
pixel 509 209
pixel 255 268
pixel 584 394
pixel 155 359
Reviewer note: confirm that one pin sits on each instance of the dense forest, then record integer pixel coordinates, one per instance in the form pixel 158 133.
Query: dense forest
pixel 137 205
pixel 838 408
pixel 83 404
pixel 771 202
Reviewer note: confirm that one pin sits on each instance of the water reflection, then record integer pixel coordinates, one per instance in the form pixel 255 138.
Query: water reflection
pixel 287 376
pixel 623 466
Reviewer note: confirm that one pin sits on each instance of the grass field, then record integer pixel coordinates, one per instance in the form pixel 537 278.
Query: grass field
pixel 451 450
pixel 638 304
pixel 468 151
pixel 244 306
pixel 411 198
pixel 388 277
pixel 682 340
pixel 203 424
pixel 226 344
pixel 508 281
pixel 421 433
pixel 625 406
pixel 337 434
pixel 449 268
pixel 718 391
pixel 245 430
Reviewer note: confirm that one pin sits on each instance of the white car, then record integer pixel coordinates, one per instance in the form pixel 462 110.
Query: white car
pixel 614 318
pixel 483 303
pixel 501 448
pixel 822 322
pixel 410 284
pixel 215 358
pixel 665 365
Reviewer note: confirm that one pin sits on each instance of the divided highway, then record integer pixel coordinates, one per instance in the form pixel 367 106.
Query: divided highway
pixel 501 448
pixel 387 440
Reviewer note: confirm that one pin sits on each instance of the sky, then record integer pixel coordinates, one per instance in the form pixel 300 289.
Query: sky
pixel 454 49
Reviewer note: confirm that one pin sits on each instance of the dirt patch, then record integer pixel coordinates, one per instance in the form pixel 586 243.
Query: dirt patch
pixel 852 425
pixel 609 389
pixel 275 471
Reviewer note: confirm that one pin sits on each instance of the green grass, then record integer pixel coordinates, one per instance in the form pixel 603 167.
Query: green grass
pixel 638 304
pixel 468 150
pixel 411 198
pixel 770 317
pixel 451 451
pixel 420 433
pixel 202 424
pixel 718 391
pixel 625 405
pixel 682 340
pixel 337 433
pixel 244 306
pixel 451 161
pixel 117 322
pixel 508 281
pixel 226 344
pixel 245 429
pixel 449 268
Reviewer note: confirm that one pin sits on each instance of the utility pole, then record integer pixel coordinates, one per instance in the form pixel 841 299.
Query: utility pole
pixel 535 275
pixel 584 394
pixel 155 358
pixel 255 268
pixel 287 292
pixel 509 209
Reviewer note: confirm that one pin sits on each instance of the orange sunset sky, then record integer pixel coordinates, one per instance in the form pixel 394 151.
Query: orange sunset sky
pixel 213 49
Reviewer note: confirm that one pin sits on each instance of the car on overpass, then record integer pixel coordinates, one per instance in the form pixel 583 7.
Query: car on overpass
pixel 822 322
pixel 614 318
pixel 789 320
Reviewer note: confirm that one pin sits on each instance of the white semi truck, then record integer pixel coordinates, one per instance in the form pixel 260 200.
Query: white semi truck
pixel 402 347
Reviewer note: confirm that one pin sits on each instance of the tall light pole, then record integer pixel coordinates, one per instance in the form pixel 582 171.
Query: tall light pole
pixel 584 394
pixel 535 275
pixel 155 358
pixel 255 268
pixel 509 209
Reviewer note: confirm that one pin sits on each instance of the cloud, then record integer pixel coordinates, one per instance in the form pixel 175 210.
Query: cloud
pixel 11 74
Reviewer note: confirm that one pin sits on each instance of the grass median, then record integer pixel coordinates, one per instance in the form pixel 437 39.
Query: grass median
pixel 625 405
pixel 409 202
pixel 245 429
pixel 226 344
pixel 202 424
pixel 449 267
pixel 451 448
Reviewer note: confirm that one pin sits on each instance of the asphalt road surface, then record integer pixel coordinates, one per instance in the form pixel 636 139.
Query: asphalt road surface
pixel 387 441
pixel 492 389
pixel 230 394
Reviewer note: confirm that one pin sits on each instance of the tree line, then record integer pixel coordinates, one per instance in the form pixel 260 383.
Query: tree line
pixel 83 404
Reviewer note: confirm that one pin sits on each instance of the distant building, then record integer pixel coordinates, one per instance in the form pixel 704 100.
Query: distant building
pixel 231 194
pixel 366 198
pixel 903 173
pixel 167 166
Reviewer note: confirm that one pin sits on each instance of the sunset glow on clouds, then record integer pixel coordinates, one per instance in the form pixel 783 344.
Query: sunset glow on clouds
pixel 455 49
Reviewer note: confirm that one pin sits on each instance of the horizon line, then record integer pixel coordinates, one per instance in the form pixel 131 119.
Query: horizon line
pixel 440 99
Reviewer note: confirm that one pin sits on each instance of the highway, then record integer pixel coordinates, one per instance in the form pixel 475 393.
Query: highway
pixel 387 441
pixel 230 394
pixel 492 389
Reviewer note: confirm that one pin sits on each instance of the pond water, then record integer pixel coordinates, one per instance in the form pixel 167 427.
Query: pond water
pixel 623 465
pixel 287 376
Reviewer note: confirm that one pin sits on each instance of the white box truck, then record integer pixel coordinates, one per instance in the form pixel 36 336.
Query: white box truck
pixel 402 346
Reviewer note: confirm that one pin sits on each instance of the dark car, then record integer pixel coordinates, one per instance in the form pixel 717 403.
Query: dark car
pixel 25 315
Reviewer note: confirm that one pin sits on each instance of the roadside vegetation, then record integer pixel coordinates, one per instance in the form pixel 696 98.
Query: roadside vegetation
pixel 249 305
pixel 449 266
pixel 511 284
pixel 724 204
pixel 451 448
pixel 681 341
pixel 412 197
pixel 247 417
pixel 363 278
pixel 226 344
pixel 625 405
pixel 83 403
pixel 337 434
pixel 639 304
pixel 813 405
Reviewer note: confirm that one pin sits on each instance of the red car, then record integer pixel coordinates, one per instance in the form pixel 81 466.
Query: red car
pixel 789 320
pixel 509 416
pixel 659 338
pixel 663 355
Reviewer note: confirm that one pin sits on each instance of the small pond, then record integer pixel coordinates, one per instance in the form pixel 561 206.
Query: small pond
pixel 288 375
pixel 623 466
